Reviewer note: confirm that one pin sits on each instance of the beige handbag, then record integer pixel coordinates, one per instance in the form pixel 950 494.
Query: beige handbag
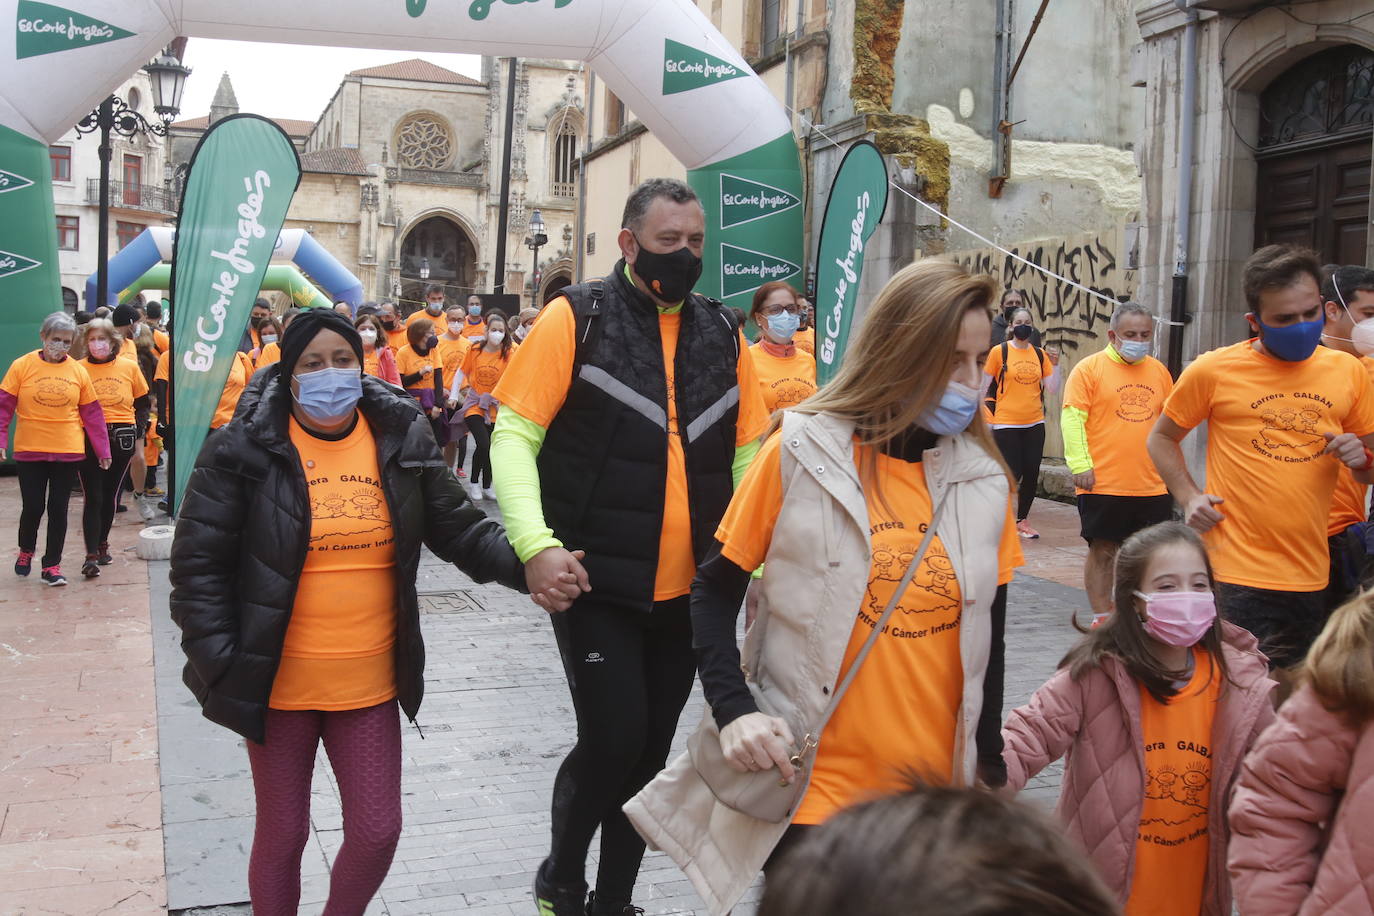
pixel 763 794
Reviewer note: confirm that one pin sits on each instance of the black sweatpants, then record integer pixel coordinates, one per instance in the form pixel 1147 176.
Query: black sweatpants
pixel 102 487
pixel 45 485
pixel 630 674
pixel 481 452
pixel 1023 449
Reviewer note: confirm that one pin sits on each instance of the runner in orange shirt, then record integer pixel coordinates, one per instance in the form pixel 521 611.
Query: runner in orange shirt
pixel 434 309
pixel 787 373
pixel 483 365
pixel 393 324
pixel 1283 415
pixel 474 325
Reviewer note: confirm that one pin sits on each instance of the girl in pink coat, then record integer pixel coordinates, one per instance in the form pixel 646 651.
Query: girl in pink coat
pixel 1154 711
pixel 1301 834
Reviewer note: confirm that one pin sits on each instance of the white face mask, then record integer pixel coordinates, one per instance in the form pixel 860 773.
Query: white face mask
pixel 369 335
pixel 520 332
pixel 496 337
pixel 1362 334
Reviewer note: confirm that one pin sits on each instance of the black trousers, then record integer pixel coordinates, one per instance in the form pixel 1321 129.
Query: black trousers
pixel 630 674
pixel 481 452
pixel 45 485
pixel 1022 449
pixel 102 487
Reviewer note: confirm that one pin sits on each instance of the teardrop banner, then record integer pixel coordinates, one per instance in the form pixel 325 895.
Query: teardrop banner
pixel 242 177
pixel 858 200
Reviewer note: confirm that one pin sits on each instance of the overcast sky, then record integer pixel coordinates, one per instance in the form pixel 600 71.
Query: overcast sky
pixel 287 81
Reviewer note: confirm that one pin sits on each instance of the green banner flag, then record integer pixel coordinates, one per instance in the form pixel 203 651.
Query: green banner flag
pixel 242 177
pixel 858 199
pixel 29 285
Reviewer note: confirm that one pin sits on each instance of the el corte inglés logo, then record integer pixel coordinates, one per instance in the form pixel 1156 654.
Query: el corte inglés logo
pixel 41 28
pixel 743 201
pixel 743 270
pixel 11 264
pixel 478 9
pixel 685 68
pixel 12 182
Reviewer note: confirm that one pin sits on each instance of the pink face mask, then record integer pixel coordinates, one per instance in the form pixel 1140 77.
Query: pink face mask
pixel 99 348
pixel 1179 618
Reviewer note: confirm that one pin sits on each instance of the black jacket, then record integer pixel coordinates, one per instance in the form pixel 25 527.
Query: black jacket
pixel 242 533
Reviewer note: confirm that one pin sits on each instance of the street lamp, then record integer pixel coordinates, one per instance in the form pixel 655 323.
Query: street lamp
pixel 535 241
pixel 424 268
pixel 115 116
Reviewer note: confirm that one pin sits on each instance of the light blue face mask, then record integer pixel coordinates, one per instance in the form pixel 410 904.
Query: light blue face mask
pixel 1133 351
pixel 329 395
pixel 956 410
pixel 783 325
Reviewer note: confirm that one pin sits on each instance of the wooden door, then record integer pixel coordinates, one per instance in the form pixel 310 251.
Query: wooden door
pixel 1318 198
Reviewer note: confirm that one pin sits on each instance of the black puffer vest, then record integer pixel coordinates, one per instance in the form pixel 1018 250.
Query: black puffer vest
pixel 604 464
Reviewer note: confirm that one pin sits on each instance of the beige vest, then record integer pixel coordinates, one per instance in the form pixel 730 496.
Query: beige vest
pixel 817 569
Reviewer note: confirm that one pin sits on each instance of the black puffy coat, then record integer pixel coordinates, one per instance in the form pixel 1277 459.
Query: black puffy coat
pixel 242 533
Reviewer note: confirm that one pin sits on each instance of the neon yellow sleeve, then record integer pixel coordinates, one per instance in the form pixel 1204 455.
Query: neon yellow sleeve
pixel 744 456
pixel 1073 421
pixel 515 445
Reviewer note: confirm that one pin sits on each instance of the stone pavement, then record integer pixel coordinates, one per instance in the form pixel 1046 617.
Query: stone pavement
pixel 496 722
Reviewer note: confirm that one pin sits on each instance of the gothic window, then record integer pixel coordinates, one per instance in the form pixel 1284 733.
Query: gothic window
pixel 424 141
pixel 565 126
pixel 1331 92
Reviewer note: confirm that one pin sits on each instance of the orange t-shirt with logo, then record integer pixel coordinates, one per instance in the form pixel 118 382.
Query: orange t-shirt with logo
pixel 784 381
pixel 483 372
pixel 240 371
pixel 1172 844
pixel 452 352
pixel 901 712
pixel 117 383
pixel 48 396
pixel 338 648
pixel 408 362
pixel 1122 401
pixel 1350 503
pixel 1018 398
pixel 473 331
pixel 805 341
pixel 1265 441
pixel 537 382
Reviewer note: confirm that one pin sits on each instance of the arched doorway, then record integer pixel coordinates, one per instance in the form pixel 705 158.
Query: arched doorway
pixel 555 276
pixel 440 246
pixel 1313 155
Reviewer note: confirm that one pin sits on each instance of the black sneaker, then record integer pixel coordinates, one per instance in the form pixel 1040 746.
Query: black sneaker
pixel 102 555
pixel 121 508
pixel 23 564
pixel 90 569
pixel 621 908
pixel 558 901
pixel 53 576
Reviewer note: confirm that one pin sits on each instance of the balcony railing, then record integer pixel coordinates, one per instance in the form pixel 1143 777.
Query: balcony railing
pixel 564 189
pixel 146 197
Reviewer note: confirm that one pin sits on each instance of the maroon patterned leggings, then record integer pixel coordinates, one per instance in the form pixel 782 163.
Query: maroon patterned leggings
pixel 364 747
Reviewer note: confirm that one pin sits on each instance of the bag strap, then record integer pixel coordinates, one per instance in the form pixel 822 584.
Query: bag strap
pixel 813 737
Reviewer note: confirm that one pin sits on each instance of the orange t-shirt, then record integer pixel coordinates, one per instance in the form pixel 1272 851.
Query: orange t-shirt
pixel 1264 456
pixel 440 322
pixel 161 342
pixel 784 381
pixel 1350 503
pixel 396 338
pixel 269 354
pixel 452 352
pixel 805 341
pixel 127 348
pixel 536 384
pixel 117 383
pixel 1018 398
pixel 901 712
pixel 408 362
pixel 49 395
pixel 1172 846
pixel 473 331
pixel 483 372
pixel 240 371
pixel 163 372
pixel 372 362
pixel 338 648
pixel 1122 401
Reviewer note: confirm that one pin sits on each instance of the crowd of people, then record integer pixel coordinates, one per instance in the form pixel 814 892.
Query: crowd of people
pixel 657 473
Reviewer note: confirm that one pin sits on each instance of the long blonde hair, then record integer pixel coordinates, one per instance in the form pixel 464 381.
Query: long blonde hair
pixel 1340 665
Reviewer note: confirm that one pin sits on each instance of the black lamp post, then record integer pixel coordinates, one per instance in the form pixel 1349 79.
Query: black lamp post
pixel 115 116
pixel 535 241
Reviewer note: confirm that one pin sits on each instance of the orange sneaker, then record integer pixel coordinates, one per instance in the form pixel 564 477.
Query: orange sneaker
pixel 1024 529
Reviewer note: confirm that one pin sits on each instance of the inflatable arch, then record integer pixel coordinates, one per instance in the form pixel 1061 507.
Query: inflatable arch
pixel 282 278
pixel 153 246
pixel 663 58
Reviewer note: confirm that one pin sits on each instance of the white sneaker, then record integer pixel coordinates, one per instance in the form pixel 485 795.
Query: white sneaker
pixel 490 493
pixel 474 492
pixel 147 507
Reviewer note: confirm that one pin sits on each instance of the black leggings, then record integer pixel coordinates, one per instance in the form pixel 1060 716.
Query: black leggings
pixel 103 487
pixel 481 450
pixel 630 674
pixel 1022 449
pixel 45 484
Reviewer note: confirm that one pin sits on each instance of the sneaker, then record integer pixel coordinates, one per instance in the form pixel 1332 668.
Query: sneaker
pixel 1024 529
pixel 53 575
pixel 490 493
pixel 121 508
pixel 102 555
pixel 90 569
pixel 474 492
pixel 23 564
pixel 558 901
pixel 154 491
pixel 147 507
pixel 611 909
pixel 460 473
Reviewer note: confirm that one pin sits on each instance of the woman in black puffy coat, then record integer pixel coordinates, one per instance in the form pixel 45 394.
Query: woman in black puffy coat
pixel 293 582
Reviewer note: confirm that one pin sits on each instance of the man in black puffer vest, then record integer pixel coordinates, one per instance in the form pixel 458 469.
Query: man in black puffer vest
pixel 627 416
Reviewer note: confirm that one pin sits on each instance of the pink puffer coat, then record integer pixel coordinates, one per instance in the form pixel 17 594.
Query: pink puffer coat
pixel 1302 819
pixel 1095 722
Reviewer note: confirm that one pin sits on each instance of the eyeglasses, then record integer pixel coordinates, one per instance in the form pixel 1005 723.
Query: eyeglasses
pixel 769 311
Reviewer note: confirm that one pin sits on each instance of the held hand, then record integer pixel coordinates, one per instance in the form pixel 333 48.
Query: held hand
pixel 751 603
pixel 426 370
pixel 1348 449
pixel 104 464
pixel 452 403
pixel 756 742
pixel 556 578
pixel 436 412
pixel 1199 513
pixel 1085 481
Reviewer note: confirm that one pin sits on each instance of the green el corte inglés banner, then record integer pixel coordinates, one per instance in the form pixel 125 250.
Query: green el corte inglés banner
pixel 858 199
pixel 242 177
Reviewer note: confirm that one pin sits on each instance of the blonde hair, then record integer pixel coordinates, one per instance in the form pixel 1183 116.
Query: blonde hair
pixel 1340 666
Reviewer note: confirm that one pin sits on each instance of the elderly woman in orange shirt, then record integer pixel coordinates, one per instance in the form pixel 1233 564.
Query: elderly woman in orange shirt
pixel 787 374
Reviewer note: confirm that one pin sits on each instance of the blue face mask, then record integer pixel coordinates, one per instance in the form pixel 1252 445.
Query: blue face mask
pixel 327 396
pixel 783 325
pixel 475 311
pixel 956 410
pixel 1293 343
pixel 1133 351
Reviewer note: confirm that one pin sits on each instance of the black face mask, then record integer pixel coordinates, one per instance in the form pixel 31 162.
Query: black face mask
pixel 389 323
pixel 670 277
pixel 256 321
pixel 1021 332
